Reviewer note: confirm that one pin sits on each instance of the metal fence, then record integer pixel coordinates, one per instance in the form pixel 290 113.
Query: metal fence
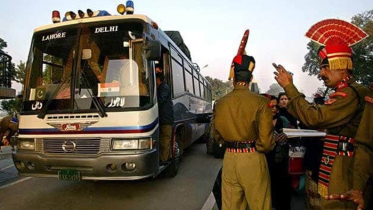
pixel 5 70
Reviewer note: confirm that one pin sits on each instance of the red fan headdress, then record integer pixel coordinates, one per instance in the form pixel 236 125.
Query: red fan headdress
pixel 337 36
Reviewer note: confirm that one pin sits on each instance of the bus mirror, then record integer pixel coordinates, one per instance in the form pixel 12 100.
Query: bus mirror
pixel 152 50
pixel 87 54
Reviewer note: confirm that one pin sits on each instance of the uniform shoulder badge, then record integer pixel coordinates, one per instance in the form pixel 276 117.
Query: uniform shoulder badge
pixel 368 99
pixel 330 101
pixel 338 93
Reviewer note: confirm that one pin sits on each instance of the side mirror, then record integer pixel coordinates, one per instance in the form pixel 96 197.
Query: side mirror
pixel 86 54
pixel 152 50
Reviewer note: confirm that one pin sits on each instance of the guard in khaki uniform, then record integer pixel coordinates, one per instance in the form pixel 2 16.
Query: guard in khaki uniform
pixel 340 169
pixel 363 163
pixel 243 120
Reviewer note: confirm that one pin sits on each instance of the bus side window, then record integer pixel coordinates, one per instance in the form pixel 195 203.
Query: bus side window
pixel 166 67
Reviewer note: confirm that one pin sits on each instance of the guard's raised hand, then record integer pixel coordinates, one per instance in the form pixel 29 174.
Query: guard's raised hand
pixel 282 77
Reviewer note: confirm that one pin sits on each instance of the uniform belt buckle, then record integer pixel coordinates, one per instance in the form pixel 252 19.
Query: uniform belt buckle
pixel 243 145
pixel 345 146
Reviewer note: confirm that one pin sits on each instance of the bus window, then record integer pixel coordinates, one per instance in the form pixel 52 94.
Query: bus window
pixel 189 80
pixel 202 90
pixel 196 86
pixel 177 78
pixel 50 58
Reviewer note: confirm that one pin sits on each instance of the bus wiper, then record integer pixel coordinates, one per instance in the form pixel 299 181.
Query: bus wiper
pixel 43 111
pixel 98 104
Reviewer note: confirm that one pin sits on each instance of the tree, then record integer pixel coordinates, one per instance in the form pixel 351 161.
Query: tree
pixel 363 52
pixel 363 61
pixel 20 73
pixel 275 89
pixel 11 106
pixel 3 44
pixel 312 59
pixel 219 88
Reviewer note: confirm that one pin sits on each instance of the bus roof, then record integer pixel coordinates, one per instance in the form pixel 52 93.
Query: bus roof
pixel 95 19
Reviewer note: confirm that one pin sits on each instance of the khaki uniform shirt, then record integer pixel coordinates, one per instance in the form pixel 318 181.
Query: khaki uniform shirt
pixel 242 115
pixel 363 164
pixel 340 115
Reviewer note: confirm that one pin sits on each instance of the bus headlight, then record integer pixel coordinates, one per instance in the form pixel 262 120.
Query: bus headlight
pixel 26 144
pixel 145 143
pixel 121 144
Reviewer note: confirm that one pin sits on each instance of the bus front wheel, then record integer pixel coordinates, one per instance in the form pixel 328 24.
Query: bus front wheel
pixel 173 168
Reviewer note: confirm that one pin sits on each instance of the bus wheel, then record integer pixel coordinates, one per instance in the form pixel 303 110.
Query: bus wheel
pixel 173 168
pixel 180 143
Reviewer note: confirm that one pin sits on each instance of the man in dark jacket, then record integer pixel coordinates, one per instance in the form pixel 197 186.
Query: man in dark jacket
pixel 166 116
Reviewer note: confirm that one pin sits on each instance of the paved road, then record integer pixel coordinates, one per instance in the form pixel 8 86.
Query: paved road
pixel 8 172
pixel 189 190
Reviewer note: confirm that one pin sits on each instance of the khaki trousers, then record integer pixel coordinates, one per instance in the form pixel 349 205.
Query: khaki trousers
pixel 339 183
pixel 165 141
pixel 312 199
pixel 245 180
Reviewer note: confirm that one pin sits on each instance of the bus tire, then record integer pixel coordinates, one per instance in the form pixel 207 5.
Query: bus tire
pixel 173 168
pixel 210 141
pixel 180 139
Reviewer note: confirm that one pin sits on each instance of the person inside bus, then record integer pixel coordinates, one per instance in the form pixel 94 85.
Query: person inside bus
pixel 166 117
pixel 127 75
pixel 158 68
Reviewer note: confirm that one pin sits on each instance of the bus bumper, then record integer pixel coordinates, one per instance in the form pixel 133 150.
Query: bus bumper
pixel 103 167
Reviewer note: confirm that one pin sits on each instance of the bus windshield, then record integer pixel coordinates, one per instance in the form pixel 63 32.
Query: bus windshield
pixel 110 66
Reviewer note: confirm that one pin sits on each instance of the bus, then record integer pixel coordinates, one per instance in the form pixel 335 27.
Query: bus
pixel 90 107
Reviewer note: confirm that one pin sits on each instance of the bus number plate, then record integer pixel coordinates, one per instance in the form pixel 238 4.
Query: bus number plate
pixel 69 175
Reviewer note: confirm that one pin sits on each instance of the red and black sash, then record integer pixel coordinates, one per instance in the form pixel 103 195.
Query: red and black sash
pixel 333 146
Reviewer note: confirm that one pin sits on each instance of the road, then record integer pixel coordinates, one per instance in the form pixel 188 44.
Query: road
pixel 188 190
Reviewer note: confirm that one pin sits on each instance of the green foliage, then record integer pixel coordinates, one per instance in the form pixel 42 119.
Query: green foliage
pixel 219 88
pixel 363 52
pixel 11 106
pixel 363 58
pixel 20 73
pixel 3 44
pixel 312 59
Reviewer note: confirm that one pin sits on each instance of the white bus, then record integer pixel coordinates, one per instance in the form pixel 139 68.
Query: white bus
pixel 90 104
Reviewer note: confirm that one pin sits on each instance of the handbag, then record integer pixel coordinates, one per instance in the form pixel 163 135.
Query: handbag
pixel 296 157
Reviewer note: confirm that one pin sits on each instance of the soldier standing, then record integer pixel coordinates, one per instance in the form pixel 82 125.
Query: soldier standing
pixel 363 163
pixel 340 167
pixel 243 120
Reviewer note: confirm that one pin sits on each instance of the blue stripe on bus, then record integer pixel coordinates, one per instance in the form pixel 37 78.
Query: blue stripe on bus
pixel 94 130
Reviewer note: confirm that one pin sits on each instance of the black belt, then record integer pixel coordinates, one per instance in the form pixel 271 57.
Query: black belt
pixel 240 144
